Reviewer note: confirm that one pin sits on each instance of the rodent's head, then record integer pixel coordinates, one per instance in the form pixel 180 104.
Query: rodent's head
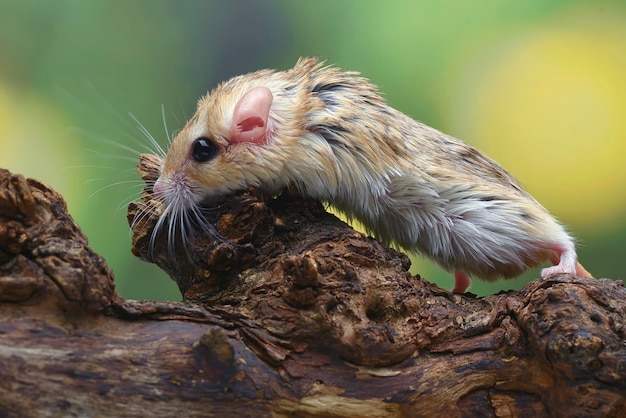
pixel 228 145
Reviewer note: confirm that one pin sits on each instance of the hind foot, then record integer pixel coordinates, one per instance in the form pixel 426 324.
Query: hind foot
pixel 565 262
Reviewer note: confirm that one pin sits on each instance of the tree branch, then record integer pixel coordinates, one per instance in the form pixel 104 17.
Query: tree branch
pixel 288 312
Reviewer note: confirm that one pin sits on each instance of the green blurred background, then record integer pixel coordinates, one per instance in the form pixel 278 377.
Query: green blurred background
pixel 538 85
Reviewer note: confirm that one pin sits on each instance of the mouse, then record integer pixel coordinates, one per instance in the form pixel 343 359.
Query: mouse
pixel 331 135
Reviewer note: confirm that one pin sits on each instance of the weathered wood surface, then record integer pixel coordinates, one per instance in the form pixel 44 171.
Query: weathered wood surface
pixel 288 312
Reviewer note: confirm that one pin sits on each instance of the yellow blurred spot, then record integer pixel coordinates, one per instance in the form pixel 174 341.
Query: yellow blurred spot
pixel 550 107
pixel 7 126
pixel 35 141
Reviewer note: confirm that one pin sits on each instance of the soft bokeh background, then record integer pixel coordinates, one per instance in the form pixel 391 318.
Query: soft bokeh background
pixel 539 86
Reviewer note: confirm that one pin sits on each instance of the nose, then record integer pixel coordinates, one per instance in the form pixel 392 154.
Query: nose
pixel 159 188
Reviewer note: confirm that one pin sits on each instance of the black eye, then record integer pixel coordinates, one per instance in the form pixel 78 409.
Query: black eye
pixel 203 150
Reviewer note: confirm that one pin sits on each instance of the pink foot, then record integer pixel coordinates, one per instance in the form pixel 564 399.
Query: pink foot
pixel 461 282
pixel 564 261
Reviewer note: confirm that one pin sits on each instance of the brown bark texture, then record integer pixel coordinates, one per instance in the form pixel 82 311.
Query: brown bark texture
pixel 286 312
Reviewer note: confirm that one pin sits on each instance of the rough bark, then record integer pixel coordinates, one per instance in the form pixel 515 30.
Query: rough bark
pixel 287 312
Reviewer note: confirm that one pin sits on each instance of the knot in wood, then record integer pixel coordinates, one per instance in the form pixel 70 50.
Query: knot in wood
pixel 215 345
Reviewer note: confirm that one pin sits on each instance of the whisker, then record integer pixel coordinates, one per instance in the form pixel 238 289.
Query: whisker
pixel 104 140
pixel 174 222
pixel 98 167
pixel 119 119
pixel 183 220
pixel 157 148
pixel 89 87
pixel 162 219
pixel 135 196
pixel 89 111
pixel 146 213
pixel 108 186
pixel 167 133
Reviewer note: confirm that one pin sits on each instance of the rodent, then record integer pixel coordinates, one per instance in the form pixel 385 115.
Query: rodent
pixel 330 134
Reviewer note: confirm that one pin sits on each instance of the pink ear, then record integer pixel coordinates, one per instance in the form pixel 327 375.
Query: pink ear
pixel 250 117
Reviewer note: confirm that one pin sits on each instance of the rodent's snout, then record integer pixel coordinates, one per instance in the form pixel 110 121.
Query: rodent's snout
pixel 176 192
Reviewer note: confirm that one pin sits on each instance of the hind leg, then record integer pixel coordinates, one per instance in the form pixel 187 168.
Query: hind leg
pixel 564 260
pixel 461 282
